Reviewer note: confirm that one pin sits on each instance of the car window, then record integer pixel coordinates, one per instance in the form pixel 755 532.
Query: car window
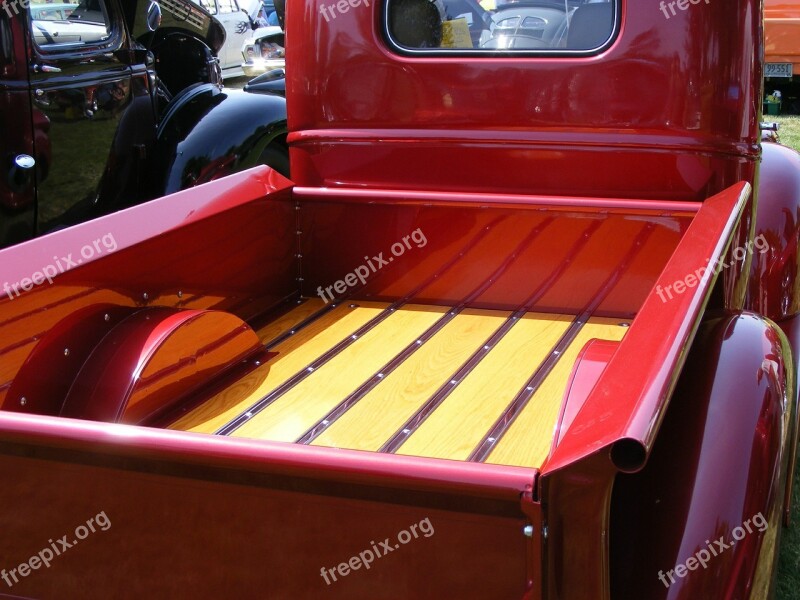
pixel 208 5
pixel 52 12
pixel 67 25
pixel 227 7
pixel 501 27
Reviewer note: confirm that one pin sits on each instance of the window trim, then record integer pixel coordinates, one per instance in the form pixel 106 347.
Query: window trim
pixel 491 53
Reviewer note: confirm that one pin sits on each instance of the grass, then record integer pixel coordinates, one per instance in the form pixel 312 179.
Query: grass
pixel 789 131
pixel 788 587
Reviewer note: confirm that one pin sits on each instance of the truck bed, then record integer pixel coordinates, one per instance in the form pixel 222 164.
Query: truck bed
pixel 411 379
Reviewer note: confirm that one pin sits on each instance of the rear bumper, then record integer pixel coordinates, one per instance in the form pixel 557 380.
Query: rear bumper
pixel 257 66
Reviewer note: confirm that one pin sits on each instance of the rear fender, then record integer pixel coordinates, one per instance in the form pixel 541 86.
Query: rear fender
pixel 717 472
pixel 775 273
pixel 235 128
pixel 791 327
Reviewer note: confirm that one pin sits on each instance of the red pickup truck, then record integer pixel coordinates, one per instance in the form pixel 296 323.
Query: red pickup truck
pixel 523 324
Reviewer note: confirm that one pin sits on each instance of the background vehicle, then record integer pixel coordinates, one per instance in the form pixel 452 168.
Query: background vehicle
pixel 782 49
pixel 51 12
pixel 238 19
pixel 110 114
pixel 264 51
pixel 546 301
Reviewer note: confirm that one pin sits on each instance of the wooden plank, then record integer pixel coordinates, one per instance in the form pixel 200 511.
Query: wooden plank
pixel 462 420
pixel 368 424
pixel 294 354
pixel 310 400
pixel 527 442
pixel 288 320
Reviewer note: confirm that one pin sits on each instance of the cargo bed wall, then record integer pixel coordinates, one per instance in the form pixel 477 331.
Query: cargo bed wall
pixel 201 517
pixel 166 253
pixel 488 251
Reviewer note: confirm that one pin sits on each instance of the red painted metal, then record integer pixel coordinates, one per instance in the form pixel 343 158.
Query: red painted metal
pixel 63 349
pixel 154 359
pixel 642 373
pixel 329 517
pixel 589 365
pixel 231 246
pixel 775 274
pixel 456 148
pixel 359 229
pixel 730 431
pixel 791 327
pixel 666 128
pixel 345 466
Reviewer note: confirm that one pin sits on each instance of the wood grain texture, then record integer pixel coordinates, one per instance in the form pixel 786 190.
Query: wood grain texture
pixel 373 420
pixel 286 321
pixel 310 400
pixel 294 354
pixel 527 442
pixel 450 432
pixel 462 420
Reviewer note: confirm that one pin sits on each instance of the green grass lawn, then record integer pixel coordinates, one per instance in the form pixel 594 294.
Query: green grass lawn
pixel 789 563
pixel 789 131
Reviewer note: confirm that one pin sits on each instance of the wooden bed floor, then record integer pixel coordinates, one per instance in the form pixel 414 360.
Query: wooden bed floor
pixel 411 379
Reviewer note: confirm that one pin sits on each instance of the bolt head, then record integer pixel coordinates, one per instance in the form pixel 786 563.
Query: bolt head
pixel 528 530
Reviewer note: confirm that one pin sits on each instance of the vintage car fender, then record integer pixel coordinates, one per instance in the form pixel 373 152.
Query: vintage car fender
pixel 729 428
pixel 271 82
pixel 239 130
pixel 774 289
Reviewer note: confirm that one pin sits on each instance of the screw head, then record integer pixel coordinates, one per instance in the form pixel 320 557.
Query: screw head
pixel 528 530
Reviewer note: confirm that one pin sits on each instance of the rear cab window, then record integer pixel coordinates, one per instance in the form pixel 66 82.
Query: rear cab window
pixel 501 27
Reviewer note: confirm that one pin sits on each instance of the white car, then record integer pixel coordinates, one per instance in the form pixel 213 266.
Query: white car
pixel 264 51
pixel 238 17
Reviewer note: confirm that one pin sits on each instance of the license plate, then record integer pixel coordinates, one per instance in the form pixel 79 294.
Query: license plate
pixel 778 70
